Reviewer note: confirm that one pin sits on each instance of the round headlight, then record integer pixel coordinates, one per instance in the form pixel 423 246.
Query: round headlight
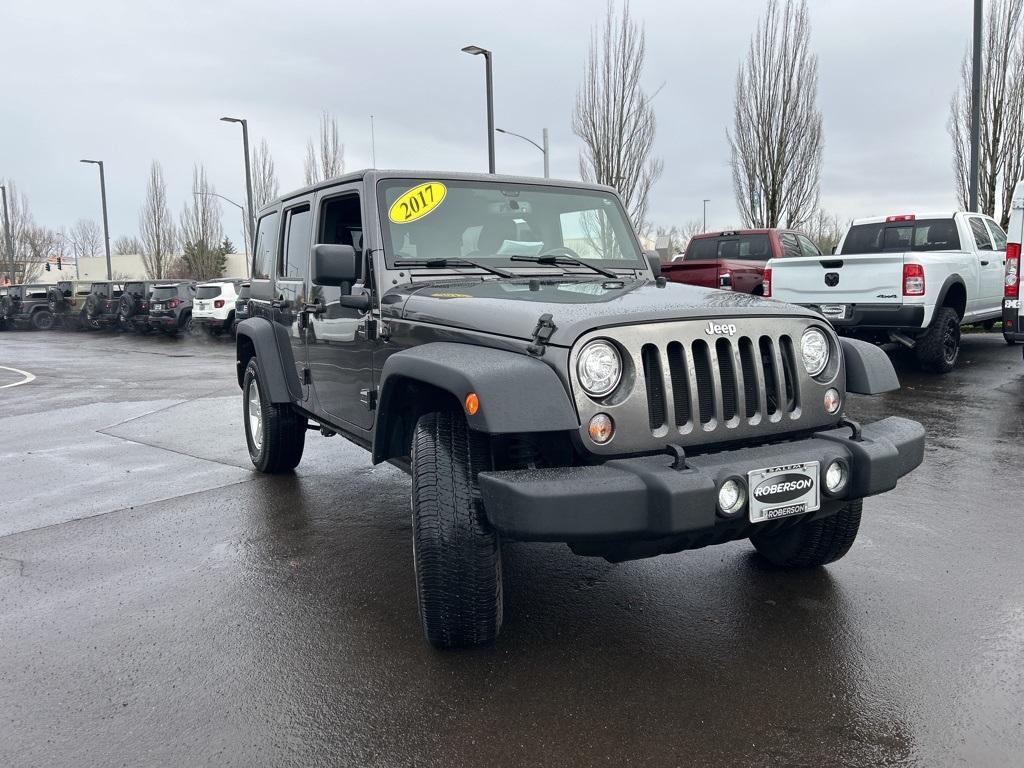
pixel 814 351
pixel 599 368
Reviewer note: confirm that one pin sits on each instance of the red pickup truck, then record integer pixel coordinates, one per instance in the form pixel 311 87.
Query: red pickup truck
pixel 735 260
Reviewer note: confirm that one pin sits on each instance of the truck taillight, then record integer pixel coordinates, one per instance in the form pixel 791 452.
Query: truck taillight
pixel 1011 285
pixel 913 280
pixel 904 217
pixel 218 303
pixel 766 282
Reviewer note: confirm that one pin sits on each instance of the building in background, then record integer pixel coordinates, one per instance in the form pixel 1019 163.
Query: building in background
pixel 128 267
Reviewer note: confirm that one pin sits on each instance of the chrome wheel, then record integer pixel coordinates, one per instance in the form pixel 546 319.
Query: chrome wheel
pixel 254 412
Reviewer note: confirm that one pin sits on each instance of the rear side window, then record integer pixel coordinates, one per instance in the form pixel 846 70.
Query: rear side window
pixel 998 236
pixel 920 235
pixel 295 257
pixel 752 247
pixel 207 291
pixel 265 252
pixel 790 246
pixel 807 248
pixel 981 236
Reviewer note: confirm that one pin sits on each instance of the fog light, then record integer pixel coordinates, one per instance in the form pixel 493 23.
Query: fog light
pixel 732 495
pixel 601 428
pixel 832 400
pixel 836 477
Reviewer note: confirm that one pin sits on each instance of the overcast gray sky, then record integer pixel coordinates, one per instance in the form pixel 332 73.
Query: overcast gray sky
pixel 127 82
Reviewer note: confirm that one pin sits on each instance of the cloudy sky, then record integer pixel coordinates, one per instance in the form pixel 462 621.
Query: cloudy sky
pixel 128 82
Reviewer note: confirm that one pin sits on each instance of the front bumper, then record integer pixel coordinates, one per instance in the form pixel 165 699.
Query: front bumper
pixel 645 498
pixel 903 317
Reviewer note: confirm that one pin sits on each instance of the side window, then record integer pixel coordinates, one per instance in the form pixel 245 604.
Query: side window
pixel 266 247
pixel 295 255
pixel 980 231
pixel 998 236
pixel 807 248
pixel 790 246
pixel 341 223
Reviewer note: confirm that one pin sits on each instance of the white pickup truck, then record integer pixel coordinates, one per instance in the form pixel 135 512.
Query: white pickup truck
pixel 1013 314
pixel 913 279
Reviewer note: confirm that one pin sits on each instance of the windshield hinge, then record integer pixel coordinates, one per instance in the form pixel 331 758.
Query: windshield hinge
pixel 541 335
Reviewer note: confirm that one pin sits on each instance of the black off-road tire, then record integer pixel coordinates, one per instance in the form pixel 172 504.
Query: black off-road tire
pixel 281 431
pixel 456 553
pixel 42 320
pixel 1010 341
pixel 938 348
pixel 808 545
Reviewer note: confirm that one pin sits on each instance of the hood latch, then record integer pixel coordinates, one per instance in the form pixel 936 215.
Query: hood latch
pixel 541 335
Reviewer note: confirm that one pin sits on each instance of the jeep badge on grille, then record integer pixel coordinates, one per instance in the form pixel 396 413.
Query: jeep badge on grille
pixel 714 328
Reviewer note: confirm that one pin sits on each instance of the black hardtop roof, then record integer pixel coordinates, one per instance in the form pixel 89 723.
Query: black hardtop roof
pixel 373 175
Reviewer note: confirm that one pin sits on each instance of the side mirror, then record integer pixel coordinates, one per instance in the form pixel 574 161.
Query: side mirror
pixel 334 264
pixel 654 260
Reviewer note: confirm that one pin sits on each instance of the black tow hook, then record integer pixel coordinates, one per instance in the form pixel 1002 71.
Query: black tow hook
pixel 854 428
pixel 678 454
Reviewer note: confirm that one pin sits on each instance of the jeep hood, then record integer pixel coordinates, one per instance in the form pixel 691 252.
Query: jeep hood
pixel 512 307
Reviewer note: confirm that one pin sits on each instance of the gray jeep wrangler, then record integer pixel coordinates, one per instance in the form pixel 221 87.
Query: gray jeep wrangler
pixel 506 342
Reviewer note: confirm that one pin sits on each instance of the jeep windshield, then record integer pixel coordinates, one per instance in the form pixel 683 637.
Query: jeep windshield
pixel 493 222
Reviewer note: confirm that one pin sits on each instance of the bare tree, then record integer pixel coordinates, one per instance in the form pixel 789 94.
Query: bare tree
pixel 326 158
pixel 777 137
pixel 33 245
pixel 159 234
pixel 264 178
pixel 614 116
pixel 201 230
pixel 86 239
pixel 1002 110
pixel 679 236
pixel 126 245
pixel 827 229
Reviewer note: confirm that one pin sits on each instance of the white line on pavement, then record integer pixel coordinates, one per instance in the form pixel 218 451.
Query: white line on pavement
pixel 28 377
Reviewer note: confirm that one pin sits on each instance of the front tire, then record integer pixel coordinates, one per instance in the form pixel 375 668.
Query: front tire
pixel 274 432
pixel 809 545
pixel 938 348
pixel 456 553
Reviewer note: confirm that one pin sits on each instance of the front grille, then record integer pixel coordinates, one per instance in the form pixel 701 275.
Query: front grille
pixel 742 378
pixel 695 388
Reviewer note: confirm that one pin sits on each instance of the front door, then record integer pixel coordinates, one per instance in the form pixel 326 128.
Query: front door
pixel 290 292
pixel 339 354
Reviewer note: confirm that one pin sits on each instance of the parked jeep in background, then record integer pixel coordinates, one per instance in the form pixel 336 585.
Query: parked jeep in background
pixel 66 300
pixel 5 304
pixel 1013 315
pixel 214 306
pixel 133 306
pixel 170 307
pixel 242 304
pixel 101 304
pixel 25 306
pixel 911 279
pixel 505 342
pixel 736 260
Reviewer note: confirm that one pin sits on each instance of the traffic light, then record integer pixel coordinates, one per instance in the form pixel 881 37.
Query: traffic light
pixel 59 266
pixel 47 266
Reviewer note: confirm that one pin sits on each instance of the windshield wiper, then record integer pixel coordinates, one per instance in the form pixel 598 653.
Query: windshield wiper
pixel 460 262
pixel 562 258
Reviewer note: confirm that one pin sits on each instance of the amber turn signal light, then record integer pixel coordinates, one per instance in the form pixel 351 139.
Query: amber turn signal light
pixel 472 403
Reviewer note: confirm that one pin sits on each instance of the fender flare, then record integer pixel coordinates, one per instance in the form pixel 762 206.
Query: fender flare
pixel 869 371
pixel 949 282
pixel 517 393
pixel 259 337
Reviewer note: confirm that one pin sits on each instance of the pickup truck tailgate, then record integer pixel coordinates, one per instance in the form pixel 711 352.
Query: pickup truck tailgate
pixel 873 278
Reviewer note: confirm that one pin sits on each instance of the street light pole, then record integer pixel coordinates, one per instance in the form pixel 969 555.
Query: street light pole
pixel 975 109
pixel 543 149
pixel 706 201
pixel 106 228
pixel 476 50
pixel 8 240
pixel 250 220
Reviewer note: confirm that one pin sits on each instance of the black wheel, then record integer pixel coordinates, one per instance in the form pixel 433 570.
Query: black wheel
pixel 42 320
pixel 938 348
pixel 186 324
pixel 456 554
pixel 988 325
pixel 807 545
pixel 1009 340
pixel 274 432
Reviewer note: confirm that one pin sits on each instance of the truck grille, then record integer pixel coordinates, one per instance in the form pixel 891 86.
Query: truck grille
pixel 727 377
pixel 690 387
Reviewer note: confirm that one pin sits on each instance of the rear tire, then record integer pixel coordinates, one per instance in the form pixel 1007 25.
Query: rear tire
pixel 938 348
pixel 42 320
pixel 809 545
pixel 456 553
pixel 274 433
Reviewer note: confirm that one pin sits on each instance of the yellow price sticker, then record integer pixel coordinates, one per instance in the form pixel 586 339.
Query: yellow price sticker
pixel 417 202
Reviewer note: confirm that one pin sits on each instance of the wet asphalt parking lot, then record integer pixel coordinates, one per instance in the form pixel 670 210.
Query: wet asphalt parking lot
pixel 161 604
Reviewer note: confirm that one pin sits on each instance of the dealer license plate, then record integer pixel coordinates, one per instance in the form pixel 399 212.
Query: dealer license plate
pixel 783 491
pixel 835 311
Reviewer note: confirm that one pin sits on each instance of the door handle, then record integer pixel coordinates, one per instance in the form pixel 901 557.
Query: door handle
pixel 984 262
